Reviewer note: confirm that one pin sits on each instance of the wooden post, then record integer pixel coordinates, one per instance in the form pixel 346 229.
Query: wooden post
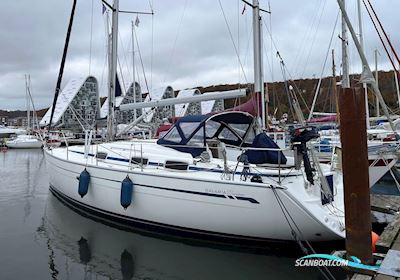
pixel 353 137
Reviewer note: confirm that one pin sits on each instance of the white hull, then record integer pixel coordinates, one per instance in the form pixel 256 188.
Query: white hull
pixel 115 254
pixel 24 145
pixel 24 142
pixel 198 203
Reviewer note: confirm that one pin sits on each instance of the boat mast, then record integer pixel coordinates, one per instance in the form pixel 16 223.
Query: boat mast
pixel 368 77
pixel 334 87
pixel 360 30
pixel 377 81
pixel 113 72
pixel 133 68
pixel 345 53
pixel 28 113
pixel 257 49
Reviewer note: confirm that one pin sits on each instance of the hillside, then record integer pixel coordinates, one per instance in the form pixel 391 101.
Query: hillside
pixel 278 98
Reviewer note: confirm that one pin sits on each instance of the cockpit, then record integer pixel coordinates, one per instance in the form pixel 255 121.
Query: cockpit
pixel 225 132
pixel 192 134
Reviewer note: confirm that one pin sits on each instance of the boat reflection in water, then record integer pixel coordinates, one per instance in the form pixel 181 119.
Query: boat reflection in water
pixel 81 247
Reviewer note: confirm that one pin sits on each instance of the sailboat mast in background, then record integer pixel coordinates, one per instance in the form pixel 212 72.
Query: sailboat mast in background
pixel 113 72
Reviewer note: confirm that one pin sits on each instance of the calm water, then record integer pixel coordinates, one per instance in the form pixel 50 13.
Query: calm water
pixel 40 238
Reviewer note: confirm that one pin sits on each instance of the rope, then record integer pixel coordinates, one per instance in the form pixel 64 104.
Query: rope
pixel 141 62
pixel 61 71
pixel 383 30
pixel 152 48
pixel 91 36
pixel 232 39
pixel 176 39
pixel 289 219
pixel 380 36
pixel 313 40
pixel 323 68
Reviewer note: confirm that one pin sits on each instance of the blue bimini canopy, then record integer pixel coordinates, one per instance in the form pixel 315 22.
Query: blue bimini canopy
pixel 179 137
pixel 190 133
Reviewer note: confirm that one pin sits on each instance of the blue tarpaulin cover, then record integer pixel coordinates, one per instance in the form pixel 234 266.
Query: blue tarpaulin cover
pixel 259 157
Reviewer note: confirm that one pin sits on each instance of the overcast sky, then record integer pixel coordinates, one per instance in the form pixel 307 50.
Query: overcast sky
pixel 186 43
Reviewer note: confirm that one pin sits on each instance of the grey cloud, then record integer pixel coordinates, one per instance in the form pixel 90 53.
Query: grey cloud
pixel 32 36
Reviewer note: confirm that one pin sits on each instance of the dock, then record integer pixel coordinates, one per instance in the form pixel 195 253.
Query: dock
pixel 388 204
pixel 388 246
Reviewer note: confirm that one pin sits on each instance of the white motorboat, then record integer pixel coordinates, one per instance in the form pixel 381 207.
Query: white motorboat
pixel 6 131
pixel 182 184
pixel 24 142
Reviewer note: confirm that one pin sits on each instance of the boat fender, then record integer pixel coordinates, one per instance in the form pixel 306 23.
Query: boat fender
pixel 126 192
pixel 374 238
pixel 256 179
pixel 84 180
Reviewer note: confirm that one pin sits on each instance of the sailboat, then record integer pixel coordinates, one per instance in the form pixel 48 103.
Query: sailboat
pixel 26 141
pixel 214 176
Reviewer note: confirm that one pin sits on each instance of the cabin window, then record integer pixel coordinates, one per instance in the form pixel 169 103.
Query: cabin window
pixel 250 136
pixel 138 160
pixel 177 165
pixel 239 128
pixel 197 139
pixel 211 128
pixel 101 155
pixel 226 134
pixel 188 128
pixel 173 135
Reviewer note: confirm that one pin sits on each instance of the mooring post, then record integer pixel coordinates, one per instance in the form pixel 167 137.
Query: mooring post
pixel 353 136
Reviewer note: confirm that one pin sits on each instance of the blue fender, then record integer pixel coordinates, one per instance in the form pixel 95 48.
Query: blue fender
pixel 126 192
pixel 84 180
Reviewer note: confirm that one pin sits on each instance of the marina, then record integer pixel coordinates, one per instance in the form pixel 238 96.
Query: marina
pixel 140 170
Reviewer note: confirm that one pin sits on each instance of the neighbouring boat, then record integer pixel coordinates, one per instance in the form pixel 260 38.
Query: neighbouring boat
pixel 24 142
pixel 382 156
pixel 6 131
pixel 208 176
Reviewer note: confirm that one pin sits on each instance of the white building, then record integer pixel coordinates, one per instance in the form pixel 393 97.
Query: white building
pixel 77 105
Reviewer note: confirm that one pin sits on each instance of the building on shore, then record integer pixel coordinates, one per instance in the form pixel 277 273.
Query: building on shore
pixel 78 105
pixel 124 117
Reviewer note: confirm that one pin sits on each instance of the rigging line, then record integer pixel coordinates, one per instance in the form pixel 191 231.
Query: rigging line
pixel 251 5
pixel 383 30
pixel 152 47
pixel 327 274
pixel 323 68
pixel 305 39
pixel 313 40
pixel 296 87
pixel 91 37
pixel 141 61
pixel 272 59
pixel 287 89
pixel 108 5
pixel 232 39
pixel 126 63
pixel 176 40
pixel 380 37
pixel 61 71
pixel 238 44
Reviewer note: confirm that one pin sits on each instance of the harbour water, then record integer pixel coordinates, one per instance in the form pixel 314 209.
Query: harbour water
pixel 41 238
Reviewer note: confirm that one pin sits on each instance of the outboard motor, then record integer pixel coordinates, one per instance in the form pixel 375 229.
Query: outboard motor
pixel 299 138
